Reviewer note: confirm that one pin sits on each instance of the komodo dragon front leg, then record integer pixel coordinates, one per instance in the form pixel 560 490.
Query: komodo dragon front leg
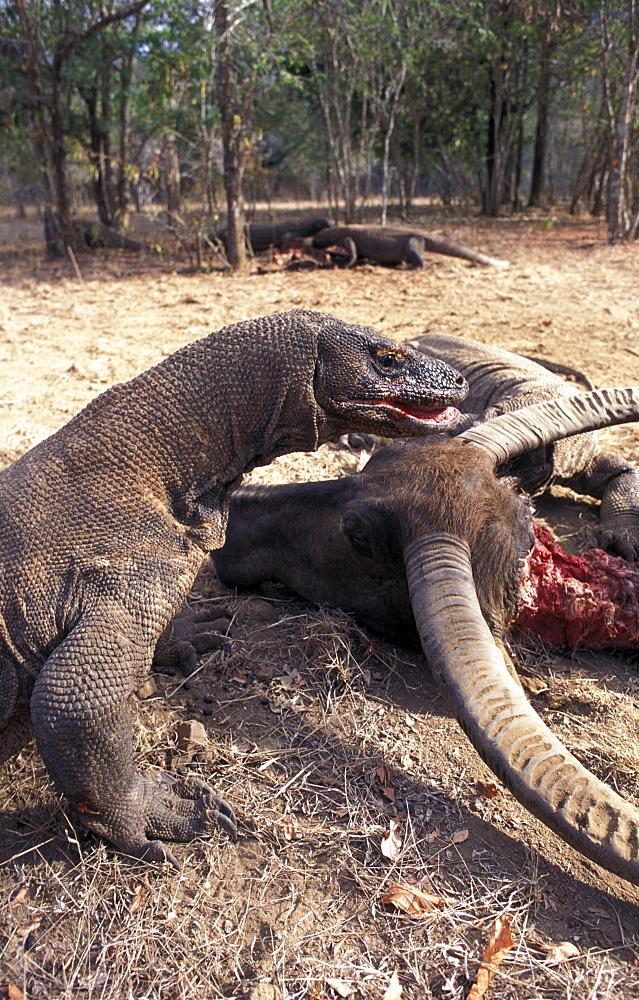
pixel 350 246
pixel 81 714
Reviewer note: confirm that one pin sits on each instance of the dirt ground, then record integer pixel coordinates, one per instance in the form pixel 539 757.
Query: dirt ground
pixel 307 707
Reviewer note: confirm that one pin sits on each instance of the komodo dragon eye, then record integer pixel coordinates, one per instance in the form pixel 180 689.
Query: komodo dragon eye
pixel 388 361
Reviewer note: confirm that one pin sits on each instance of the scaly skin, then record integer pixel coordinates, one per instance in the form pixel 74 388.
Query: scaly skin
pixel 501 381
pixel 392 245
pixel 106 523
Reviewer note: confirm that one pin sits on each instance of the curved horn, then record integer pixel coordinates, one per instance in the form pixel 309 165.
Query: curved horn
pixel 511 434
pixel 497 718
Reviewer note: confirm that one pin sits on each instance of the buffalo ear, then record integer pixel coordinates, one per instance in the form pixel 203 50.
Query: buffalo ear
pixel 373 531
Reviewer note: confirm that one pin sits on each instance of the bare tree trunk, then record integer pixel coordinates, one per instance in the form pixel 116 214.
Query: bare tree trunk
pixel 59 151
pixel 106 125
pixel 126 80
pixel 516 173
pixel 616 212
pixel 233 145
pixel 391 97
pixel 416 165
pixel 541 131
pixel 98 181
pixel 171 173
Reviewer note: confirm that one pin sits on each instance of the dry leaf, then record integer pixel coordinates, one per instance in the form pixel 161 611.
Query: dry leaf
pixel 290 829
pixel 499 942
pixel 395 989
pixel 342 988
pixel 25 929
pixel 413 900
pixel 384 774
pixel 459 836
pixel 561 953
pixel 431 837
pixel 412 723
pixel 20 896
pixel 136 899
pixel 487 789
pixel 392 843
pixel 11 992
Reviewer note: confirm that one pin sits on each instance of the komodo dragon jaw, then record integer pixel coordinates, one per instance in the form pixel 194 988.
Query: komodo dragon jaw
pixel 395 391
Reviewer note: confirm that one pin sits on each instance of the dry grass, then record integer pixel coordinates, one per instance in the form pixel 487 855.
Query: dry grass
pixel 308 707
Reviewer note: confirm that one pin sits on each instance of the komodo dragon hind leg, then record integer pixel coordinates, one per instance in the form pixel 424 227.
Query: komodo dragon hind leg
pixel 80 709
pixel 192 632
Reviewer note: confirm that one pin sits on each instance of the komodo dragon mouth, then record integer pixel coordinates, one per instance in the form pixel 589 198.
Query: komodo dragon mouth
pixel 442 417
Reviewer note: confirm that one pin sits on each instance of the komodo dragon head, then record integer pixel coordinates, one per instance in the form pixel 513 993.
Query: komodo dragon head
pixel 429 529
pixel 369 383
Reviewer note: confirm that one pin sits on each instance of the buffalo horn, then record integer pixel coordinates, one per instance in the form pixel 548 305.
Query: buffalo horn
pixel 493 711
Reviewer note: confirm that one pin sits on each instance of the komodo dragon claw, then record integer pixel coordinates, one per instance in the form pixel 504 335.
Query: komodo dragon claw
pixel 190 634
pixel 163 806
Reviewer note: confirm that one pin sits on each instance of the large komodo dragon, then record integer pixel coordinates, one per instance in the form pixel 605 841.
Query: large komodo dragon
pixel 500 382
pixel 106 523
pixel 392 245
pixel 427 539
pixel 262 235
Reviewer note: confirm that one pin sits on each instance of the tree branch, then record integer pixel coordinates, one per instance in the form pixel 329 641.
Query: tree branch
pixel 76 39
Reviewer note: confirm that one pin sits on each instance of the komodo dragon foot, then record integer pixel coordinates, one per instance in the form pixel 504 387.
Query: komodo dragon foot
pixel 190 634
pixel 161 806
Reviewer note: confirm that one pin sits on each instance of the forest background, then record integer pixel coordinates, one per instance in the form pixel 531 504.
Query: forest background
pixel 224 103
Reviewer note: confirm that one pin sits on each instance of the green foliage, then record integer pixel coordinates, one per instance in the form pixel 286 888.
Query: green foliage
pixel 314 87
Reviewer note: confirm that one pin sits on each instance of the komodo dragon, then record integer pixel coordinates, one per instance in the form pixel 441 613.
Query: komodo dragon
pixel 106 523
pixel 262 235
pixel 501 381
pixel 392 245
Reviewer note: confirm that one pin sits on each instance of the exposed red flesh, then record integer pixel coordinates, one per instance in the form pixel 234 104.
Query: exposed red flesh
pixel 590 600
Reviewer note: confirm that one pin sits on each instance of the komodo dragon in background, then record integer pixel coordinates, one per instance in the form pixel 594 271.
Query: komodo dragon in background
pixel 262 235
pixel 106 523
pixel 500 382
pixel 392 245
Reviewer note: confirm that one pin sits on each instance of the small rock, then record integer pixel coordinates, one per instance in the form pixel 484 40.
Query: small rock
pixel 264 672
pixel 147 689
pixel 264 991
pixel 262 610
pixel 190 734
pixel 181 760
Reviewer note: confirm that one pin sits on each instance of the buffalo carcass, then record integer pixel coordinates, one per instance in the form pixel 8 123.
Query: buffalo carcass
pixel 428 537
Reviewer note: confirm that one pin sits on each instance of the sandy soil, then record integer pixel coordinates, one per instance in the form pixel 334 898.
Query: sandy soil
pixel 307 707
